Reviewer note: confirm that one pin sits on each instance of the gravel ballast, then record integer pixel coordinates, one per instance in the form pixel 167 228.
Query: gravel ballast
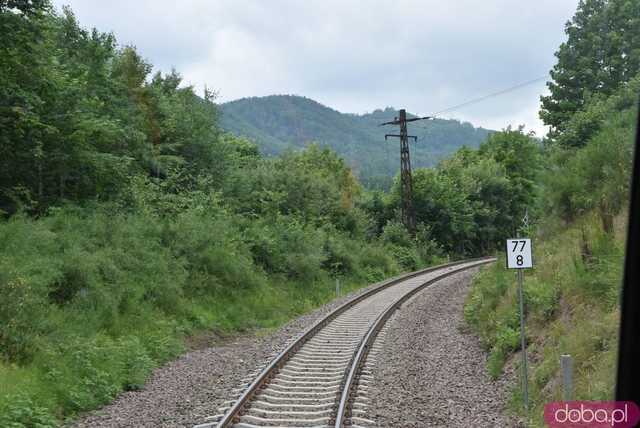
pixel 430 371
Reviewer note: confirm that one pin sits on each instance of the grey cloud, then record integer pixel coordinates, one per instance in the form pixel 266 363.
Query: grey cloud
pixel 354 56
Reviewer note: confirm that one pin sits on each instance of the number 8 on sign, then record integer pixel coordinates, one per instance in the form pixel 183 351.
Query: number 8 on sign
pixel 519 253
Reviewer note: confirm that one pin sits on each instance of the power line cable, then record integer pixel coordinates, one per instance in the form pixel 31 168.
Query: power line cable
pixel 491 95
pixel 484 97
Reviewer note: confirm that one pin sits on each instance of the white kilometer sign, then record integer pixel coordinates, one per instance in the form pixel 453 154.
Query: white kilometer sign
pixel 519 253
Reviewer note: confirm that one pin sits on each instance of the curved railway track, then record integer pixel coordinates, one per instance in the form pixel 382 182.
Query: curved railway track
pixel 320 379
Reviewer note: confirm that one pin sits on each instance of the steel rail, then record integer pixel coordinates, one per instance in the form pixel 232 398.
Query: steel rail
pixel 233 414
pixel 349 387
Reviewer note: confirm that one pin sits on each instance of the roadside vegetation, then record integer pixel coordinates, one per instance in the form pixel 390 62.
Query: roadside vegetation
pixel 572 293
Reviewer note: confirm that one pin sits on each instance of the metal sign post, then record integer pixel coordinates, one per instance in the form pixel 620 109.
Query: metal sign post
pixel 519 258
pixel 523 340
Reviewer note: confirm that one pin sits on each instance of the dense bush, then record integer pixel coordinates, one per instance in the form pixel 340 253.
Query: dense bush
pixel 595 177
pixel 92 300
pixel 471 202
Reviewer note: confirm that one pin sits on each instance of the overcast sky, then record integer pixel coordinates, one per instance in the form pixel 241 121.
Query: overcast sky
pixel 353 56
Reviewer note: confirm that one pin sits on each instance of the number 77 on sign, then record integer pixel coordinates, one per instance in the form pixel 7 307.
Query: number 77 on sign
pixel 519 253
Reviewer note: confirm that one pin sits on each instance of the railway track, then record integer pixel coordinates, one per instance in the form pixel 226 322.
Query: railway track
pixel 321 378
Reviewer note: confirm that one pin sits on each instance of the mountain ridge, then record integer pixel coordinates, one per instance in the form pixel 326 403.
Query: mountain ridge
pixel 277 123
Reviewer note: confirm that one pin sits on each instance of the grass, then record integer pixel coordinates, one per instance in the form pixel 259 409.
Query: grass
pixel 572 308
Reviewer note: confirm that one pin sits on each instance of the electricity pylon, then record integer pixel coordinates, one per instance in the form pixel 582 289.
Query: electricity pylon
pixel 408 215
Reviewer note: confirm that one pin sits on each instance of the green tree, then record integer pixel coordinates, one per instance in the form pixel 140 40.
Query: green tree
pixel 520 156
pixel 474 200
pixel 488 190
pixel 601 52
pixel 25 84
pixel 439 204
pixel 26 7
pixel 79 117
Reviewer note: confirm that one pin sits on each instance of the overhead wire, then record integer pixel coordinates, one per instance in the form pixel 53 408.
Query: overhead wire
pixel 484 97
pixel 491 95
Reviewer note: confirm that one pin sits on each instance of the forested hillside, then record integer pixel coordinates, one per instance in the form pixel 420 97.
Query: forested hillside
pixel 280 122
